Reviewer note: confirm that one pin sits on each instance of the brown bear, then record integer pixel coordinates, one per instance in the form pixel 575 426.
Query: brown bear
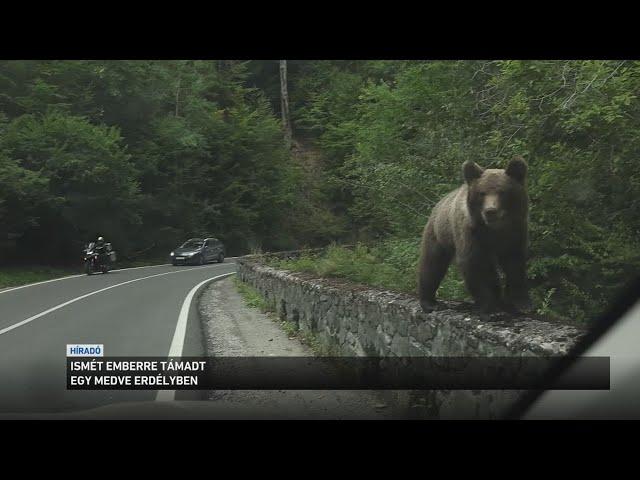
pixel 483 225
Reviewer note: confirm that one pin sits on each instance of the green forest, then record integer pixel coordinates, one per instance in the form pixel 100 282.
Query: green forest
pixel 150 153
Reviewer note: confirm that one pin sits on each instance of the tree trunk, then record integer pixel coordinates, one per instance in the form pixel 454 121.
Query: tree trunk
pixel 284 103
pixel 178 96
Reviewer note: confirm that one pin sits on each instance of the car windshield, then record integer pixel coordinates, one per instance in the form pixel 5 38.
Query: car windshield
pixel 192 244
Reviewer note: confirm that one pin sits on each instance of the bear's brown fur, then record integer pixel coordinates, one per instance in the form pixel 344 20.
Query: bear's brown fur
pixel 483 225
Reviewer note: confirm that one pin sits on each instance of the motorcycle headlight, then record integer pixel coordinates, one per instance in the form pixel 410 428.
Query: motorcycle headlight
pixel 172 254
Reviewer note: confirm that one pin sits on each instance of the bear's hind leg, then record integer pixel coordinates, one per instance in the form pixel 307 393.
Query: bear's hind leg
pixel 433 267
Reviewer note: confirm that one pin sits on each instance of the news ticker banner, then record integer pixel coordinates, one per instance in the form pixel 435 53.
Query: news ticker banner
pixel 332 373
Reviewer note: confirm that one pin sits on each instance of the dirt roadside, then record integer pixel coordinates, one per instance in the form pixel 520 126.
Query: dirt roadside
pixel 233 329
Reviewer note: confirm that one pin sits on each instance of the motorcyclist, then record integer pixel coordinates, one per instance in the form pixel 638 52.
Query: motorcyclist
pixel 101 249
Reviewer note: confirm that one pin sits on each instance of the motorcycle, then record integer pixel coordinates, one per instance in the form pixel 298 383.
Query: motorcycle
pixel 98 259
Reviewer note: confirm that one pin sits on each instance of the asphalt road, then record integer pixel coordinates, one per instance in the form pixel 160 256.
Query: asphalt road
pixel 132 312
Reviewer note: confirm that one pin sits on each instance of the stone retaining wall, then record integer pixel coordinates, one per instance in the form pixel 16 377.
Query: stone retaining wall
pixel 352 319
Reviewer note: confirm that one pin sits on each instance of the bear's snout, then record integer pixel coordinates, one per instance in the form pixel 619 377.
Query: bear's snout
pixel 491 211
pixel 492 216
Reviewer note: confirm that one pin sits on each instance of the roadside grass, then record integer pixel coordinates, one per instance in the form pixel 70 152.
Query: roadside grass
pixel 254 299
pixel 391 265
pixel 17 276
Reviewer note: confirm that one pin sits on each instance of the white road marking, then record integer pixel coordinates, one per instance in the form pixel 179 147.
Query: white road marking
pixel 145 266
pixel 177 344
pixel 83 274
pixel 75 276
pixel 69 302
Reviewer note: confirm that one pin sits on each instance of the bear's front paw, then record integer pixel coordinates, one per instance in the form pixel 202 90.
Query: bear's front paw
pixel 428 306
pixel 489 311
pixel 522 305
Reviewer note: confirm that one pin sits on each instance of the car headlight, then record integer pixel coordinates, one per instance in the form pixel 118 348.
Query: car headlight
pixel 172 254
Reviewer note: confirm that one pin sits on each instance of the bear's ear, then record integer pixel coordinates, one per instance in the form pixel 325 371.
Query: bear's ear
pixel 471 171
pixel 517 169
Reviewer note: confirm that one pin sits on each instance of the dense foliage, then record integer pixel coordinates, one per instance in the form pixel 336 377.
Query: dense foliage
pixel 145 153
pixel 396 134
pixel 151 152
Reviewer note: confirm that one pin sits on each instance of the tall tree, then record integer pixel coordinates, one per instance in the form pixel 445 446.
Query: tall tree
pixel 284 102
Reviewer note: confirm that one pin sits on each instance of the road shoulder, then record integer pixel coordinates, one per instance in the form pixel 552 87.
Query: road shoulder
pixel 231 328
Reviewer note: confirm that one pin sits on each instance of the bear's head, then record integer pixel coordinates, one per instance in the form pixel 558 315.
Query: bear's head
pixel 497 197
